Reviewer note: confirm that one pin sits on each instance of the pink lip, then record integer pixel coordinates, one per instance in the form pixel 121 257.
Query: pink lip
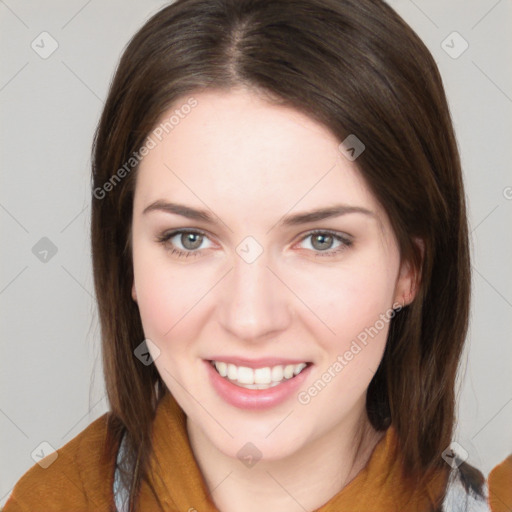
pixel 254 399
pixel 256 363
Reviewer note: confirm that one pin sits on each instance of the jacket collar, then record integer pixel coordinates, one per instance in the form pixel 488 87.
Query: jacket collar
pixel 181 486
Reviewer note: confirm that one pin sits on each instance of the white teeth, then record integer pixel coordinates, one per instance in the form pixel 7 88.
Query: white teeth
pixel 232 372
pixel 259 378
pixel 257 386
pixel 298 368
pixel 222 368
pixel 262 376
pixel 288 371
pixel 246 375
pixel 277 374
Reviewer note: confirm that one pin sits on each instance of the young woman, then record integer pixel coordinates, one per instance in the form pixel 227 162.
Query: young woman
pixel 281 264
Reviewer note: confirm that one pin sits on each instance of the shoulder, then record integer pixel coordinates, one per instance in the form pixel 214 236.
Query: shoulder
pixel 500 486
pixel 75 477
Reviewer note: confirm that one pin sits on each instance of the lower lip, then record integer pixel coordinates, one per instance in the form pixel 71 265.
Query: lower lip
pixel 255 399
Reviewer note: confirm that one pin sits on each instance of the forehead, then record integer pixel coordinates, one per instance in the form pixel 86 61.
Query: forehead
pixel 234 149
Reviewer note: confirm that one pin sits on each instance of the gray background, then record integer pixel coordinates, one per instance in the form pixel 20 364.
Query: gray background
pixel 51 380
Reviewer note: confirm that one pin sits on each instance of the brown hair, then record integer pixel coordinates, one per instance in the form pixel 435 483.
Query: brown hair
pixel 356 67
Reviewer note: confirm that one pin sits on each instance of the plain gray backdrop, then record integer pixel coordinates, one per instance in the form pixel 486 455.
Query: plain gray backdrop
pixel 57 60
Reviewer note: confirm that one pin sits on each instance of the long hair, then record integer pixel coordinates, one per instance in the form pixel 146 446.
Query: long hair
pixel 356 67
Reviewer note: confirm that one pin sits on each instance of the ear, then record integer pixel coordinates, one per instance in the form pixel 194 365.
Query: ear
pixel 134 292
pixel 409 279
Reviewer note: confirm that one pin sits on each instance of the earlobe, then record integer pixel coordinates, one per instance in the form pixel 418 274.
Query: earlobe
pixel 134 293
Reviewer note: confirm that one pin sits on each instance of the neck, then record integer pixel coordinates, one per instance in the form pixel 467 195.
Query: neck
pixel 306 479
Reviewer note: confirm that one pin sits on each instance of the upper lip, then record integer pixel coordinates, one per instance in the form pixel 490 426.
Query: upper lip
pixel 257 363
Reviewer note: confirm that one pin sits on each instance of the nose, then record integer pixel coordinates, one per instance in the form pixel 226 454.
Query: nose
pixel 254 302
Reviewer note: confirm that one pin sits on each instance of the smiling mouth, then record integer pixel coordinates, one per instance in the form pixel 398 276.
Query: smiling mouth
pixel 258 378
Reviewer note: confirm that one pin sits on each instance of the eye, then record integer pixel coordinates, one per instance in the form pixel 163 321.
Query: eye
pixel 190 241
pixel 322 241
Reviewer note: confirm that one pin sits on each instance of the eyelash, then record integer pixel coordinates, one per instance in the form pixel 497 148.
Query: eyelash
pixel 165 237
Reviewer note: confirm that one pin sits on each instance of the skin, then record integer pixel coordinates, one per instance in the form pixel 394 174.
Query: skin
pixel 250 163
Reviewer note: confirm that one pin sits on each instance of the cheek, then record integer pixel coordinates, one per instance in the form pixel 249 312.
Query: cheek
pixel 165 293
pixel 362 297
pixel 351 294
pixel 347 302
pixel 355 303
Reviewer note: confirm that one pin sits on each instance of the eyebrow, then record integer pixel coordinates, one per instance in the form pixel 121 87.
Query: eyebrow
pixel 289 220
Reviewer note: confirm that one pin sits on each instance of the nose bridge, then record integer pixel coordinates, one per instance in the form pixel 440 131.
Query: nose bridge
pixel 255 302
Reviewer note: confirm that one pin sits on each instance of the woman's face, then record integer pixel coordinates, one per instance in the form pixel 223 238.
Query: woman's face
pixel 253 285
